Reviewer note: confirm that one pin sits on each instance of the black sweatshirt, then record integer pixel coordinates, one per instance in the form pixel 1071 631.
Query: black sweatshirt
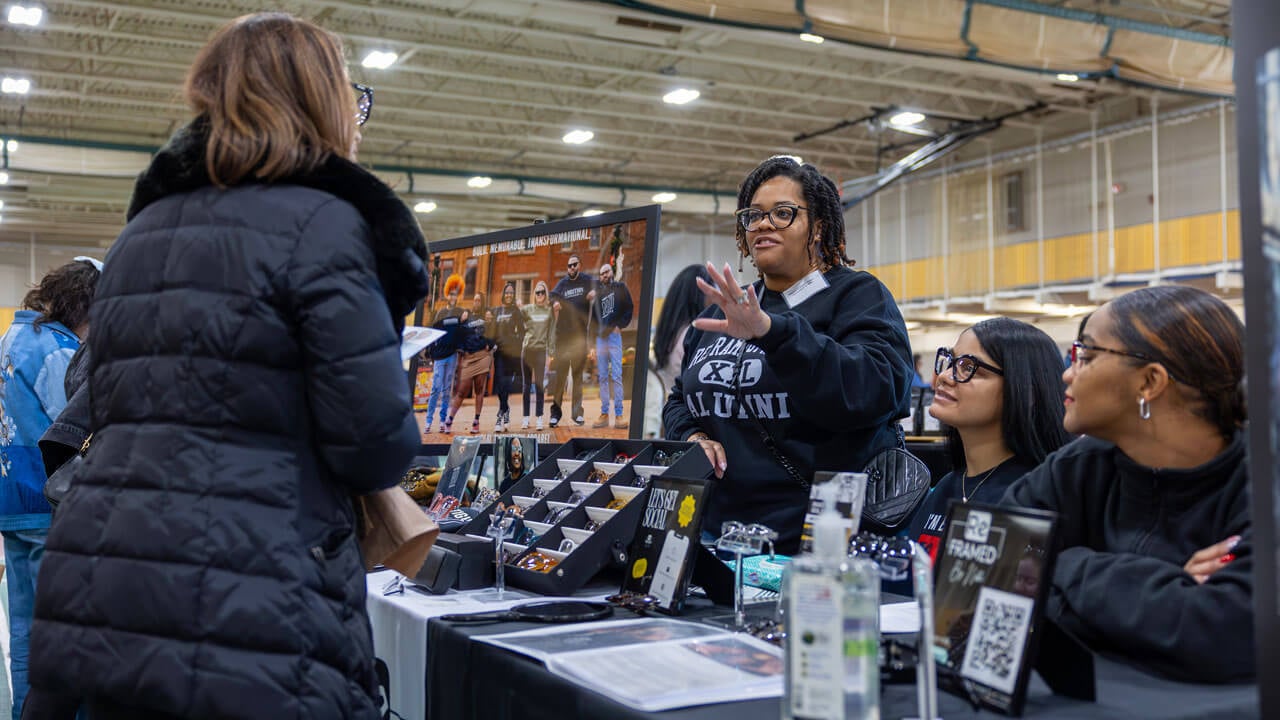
pixel 1126 531
pixel 828 380
pixel 508 329
pixel 612 308
pixel 447 319
pixel 985 487
pixel 571 323
pixel 474 337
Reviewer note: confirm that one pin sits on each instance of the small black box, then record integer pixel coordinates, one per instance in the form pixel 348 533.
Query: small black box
pixel 475 567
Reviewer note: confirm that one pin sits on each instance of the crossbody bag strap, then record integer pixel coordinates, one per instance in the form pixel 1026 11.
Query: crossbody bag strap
pixel 765 435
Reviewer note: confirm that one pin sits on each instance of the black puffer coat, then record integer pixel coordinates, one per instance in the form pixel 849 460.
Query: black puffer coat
pixel 245 380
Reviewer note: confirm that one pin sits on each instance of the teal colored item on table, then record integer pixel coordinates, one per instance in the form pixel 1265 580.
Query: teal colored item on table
pixel 762 572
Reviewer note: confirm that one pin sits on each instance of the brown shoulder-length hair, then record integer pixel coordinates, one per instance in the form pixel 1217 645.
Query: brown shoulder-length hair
pixel 275 91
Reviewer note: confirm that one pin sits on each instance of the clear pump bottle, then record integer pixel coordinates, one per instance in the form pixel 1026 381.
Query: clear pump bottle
pixel 831 603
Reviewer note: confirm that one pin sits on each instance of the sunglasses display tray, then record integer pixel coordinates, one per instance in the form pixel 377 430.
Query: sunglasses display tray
pixel 580 508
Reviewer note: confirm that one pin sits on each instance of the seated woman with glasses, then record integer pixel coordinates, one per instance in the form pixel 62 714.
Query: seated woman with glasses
pixel 999 393
pixel 1156 560
pixel 807 369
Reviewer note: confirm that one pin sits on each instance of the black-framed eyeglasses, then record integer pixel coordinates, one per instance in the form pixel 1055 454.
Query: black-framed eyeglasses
pixel 573 264
pixel 364 102
pixel 539 292
pixel 1077 359
pixel 963 367
pixel 780 217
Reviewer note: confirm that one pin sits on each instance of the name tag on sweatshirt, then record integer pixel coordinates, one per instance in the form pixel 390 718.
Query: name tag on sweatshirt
pixel 805 288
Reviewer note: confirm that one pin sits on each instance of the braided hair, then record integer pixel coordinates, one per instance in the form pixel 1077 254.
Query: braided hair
pixel 822 199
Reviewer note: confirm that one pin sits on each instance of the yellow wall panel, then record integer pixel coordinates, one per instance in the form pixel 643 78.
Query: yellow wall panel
pixel 6 317
pixel 1189 241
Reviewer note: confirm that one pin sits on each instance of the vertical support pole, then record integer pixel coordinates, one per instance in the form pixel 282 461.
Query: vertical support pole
pixel 1111 211
pixel 1040 260
pixel 1155 188
pixel 946 239
pixel 1222 178
pixel 991 229
pixel 902 240
pixel 1093 194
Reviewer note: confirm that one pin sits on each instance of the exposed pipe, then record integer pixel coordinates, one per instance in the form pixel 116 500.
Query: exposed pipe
pixel 1155 183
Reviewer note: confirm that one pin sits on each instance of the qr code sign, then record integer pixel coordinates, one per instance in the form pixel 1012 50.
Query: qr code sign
pixel 997 638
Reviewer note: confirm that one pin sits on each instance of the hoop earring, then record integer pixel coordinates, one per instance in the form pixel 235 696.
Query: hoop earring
pixel 1144 409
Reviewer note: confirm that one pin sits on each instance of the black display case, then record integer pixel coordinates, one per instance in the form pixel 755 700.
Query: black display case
pixel 562 498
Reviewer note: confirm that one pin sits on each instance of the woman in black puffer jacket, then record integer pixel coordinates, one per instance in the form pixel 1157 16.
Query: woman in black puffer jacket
pixel 244 382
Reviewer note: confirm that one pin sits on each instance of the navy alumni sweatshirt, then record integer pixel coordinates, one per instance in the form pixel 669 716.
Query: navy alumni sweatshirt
pixel 828 380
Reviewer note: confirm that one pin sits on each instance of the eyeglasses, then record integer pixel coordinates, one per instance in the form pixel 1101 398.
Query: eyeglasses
pixel 962 367
pixel 573 264
pixel 539 292
pixel 364 103
pixel 1077 359
pixel 780 217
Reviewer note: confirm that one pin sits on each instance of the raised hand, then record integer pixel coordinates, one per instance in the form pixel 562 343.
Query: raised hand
pixel 743 317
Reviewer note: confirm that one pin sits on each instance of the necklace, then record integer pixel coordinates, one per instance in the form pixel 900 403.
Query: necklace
pixel 964 494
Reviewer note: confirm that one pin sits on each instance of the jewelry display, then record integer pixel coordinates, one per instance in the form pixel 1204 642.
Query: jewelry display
pixel 741 540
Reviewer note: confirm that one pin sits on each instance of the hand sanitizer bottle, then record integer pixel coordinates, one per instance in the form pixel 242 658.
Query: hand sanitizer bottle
pixel 832 610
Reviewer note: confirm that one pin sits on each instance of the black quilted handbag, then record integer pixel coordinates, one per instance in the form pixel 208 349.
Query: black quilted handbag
pixel 897 482
pixel 59 483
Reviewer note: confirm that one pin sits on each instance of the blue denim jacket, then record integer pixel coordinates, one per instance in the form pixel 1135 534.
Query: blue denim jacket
pixel 33 363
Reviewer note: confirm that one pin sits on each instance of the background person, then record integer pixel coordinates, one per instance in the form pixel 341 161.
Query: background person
pixel 34 355
pixel 682 303
pixel 818 350
pixel 539 342
pixel 611 311
pixel 245 380
pixel 1155 385
pixel 475 361
pixel 508 332
pixel 999 394
pixel 444 352
pixel 571 302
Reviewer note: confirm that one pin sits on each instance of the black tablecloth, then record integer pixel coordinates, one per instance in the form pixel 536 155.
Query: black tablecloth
pixel 473 680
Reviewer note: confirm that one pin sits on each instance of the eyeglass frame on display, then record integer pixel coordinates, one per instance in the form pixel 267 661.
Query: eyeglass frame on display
pixel 940 366
pixel 745 216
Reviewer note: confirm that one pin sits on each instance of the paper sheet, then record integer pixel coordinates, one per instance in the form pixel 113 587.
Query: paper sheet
pixel 903 617
pixel 415 338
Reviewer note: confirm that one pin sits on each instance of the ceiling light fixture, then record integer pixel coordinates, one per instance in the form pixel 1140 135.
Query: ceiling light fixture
pixel 29 15
pixel 4 178
pixel 379 59
pixel 578 136
pixel 424 207
pixel 480 182
pixel 15 86
pixel 1068 77
pixel 591 213
pixel 906 118
pixel 664 197
pixel 681 96
pixel 811 38
pixel 11 146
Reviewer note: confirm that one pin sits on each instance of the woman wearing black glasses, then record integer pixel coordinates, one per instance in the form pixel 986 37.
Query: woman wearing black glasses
pixel 1156 562
pixel 999 392
pixel 245 382
pixel 807 369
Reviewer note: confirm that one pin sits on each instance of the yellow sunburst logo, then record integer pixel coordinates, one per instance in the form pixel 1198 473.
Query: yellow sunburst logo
pixel 687 506
pixel 637 570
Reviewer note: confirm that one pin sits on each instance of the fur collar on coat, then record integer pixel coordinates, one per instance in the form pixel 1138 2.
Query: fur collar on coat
pixel 397 241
